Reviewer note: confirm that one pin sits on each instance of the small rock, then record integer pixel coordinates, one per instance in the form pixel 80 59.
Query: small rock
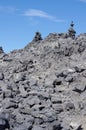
pixel 1 76
pixel 55 99
pixel 78 69
pixel 57 82
pixel 58 108
pixel 4 124
pixel 37 128
pixel 70 106
pixel 75 126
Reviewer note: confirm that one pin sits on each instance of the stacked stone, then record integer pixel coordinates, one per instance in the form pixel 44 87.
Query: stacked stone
pixel 71 31
pixel 37 37
pixel 1 50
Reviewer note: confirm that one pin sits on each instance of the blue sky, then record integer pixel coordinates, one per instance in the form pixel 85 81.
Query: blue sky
pixel 20 19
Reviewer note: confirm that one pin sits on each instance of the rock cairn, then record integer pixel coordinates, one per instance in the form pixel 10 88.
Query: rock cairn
pixel 1 50
pixel 71 31
pixel 37 37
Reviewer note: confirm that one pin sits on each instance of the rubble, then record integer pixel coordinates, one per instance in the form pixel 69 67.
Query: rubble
pixel 43 87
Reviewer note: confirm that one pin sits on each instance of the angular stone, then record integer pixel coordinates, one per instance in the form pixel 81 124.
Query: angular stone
pixel 79 88
pixel 23 93
pixel 55 99
pixel 75 126
pixel 58 108
pixel 8 94
pixel 19 77
pixel 37 128
pixel 70 106
pixel 7 103
pixel 4 124
pixel 34 101
pixel 1 76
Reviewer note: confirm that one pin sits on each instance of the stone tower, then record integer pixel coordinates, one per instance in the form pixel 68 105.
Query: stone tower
pixel 37 37
pixel 71 31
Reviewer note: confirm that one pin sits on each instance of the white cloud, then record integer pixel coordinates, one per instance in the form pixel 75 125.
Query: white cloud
pixel 83 1
pixel 39 13
pixel 42 14
pixel 7 9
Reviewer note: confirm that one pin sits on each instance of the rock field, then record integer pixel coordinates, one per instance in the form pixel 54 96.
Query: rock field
pixel 43 85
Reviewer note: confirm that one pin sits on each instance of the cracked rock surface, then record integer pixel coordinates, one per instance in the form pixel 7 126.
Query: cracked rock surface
pixel 43 86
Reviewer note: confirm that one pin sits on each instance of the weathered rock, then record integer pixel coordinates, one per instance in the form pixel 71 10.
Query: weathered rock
pixel 70 106
pixel 55 99
pixel 43 86
pixel 19 77
pixel 1 76
pixel 75 126
pixel 58 108
pixel 57 82
pixel 80 88
pixel 37 128
pixel 8 103
pixel 4 124
pixel 4 121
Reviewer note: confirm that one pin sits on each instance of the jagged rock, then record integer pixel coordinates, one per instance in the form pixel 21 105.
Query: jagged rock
pixel 79 87
pixel 68 51
pixel 1 76
pixel 38 128
pixel 8 103
pixel 43 86
pixel 4 122
pixel 69 79
pixel 56 99
pixel 79 70
pixel 7 94
pixel 75 126
pixel 70 106
pixel 57 82
pixel 19 77
pixel 58 127
pixel 58 108
pixel 82 47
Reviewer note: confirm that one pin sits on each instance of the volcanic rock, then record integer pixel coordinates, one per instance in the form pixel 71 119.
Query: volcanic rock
pixel 43 85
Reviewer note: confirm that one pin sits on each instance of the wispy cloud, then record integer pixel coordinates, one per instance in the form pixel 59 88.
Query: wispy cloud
pixel 83 1
pixel 41 14
pixel 7 9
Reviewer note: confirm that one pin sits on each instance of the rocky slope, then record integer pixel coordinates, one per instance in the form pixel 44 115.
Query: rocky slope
pixel 43 86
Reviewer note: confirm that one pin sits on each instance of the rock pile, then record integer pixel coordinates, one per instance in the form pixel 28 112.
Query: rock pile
pixel 71 31
pixel 43 87
pixel 37 37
